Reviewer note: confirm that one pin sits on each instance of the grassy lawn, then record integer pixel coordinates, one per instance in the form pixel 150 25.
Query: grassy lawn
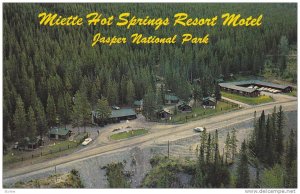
pixel 54 149
pixel 293 93
pixel 248 100
pixel 200 112
pixel 128 134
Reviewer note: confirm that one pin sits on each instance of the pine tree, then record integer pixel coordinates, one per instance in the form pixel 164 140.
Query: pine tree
pixel 290 179
pixel 81 115
pixel 283 48
pixel 112 92
pixel 40 118
pixel 61 109
pixel 261 137
pixel 51 112
pixel 94 95
pixel 243 177
pixel 199 176
pixel 103 110
pixel 150 104
pixel 279 134
pixel 218 92
pixel 76 111
pixel 20 121
pixel 130 92
pixel 32 125
pixel 208 149
pixel 269 149
pixel 233 143
pixel 197 94
pixel 227 147
pixel 85 111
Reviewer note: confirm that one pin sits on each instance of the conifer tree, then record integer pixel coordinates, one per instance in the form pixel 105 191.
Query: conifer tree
pixel 32 125
pixel 103 109
pixel 227 147
pixel 40 118
pixel 217 92
pixel 243 177
pixel 208 149
pixel 20 121
pixel 269 149
pixel 76 111
pixel 51 112
pixel 290 178
pixel 261 136
pixel 130 92
pixel 233 143
pixel 279 133
pixel 150 104
pixel 81 110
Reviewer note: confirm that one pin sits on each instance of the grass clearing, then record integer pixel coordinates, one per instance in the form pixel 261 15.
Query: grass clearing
pixel 200 112
pixel 128 134
pixel 54 149
pixel 248 100
pixel 293 93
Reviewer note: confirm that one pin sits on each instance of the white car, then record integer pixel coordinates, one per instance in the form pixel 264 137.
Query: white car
pixel 199 129
pixel 86 141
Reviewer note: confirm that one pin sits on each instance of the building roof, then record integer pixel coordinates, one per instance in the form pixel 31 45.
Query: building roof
pixel 164 111
pixel 232 86
pixel 122 113
pixel 184 105
pixel 59 131
pixel 258 82
pixel 171 97
pixel 209 99
pixel 138 103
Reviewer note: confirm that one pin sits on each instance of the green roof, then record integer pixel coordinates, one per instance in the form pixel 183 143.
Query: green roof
pixel 122 113
pixel 138 103
pixel 171 97
pixel 59 131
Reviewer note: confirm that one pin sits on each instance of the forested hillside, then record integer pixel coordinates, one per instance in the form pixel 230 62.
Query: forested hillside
pixel 44 67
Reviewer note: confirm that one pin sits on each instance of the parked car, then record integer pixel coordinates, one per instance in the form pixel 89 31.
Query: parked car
pixel 199 129
pixel 87 141
pixel 115 107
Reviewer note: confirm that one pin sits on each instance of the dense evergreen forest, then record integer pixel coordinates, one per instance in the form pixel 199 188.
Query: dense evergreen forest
pixel 45 67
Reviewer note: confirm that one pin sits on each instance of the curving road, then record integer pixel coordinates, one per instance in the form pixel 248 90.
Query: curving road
pixel 159 132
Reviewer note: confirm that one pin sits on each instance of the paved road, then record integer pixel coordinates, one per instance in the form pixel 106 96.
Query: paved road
pixel 167 132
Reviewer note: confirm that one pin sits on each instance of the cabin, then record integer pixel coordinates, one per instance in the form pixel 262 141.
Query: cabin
pixel 29 143
pixel 59 133
pixel 163 114
pixel 138 105
pixel 115 117
pixel 171 99
pixel 209 102
pixel 185 107
pixel 122 114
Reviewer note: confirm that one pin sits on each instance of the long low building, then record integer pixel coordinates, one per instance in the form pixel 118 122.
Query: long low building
pixel 229 87
pixel 252 88
pixel 258 83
